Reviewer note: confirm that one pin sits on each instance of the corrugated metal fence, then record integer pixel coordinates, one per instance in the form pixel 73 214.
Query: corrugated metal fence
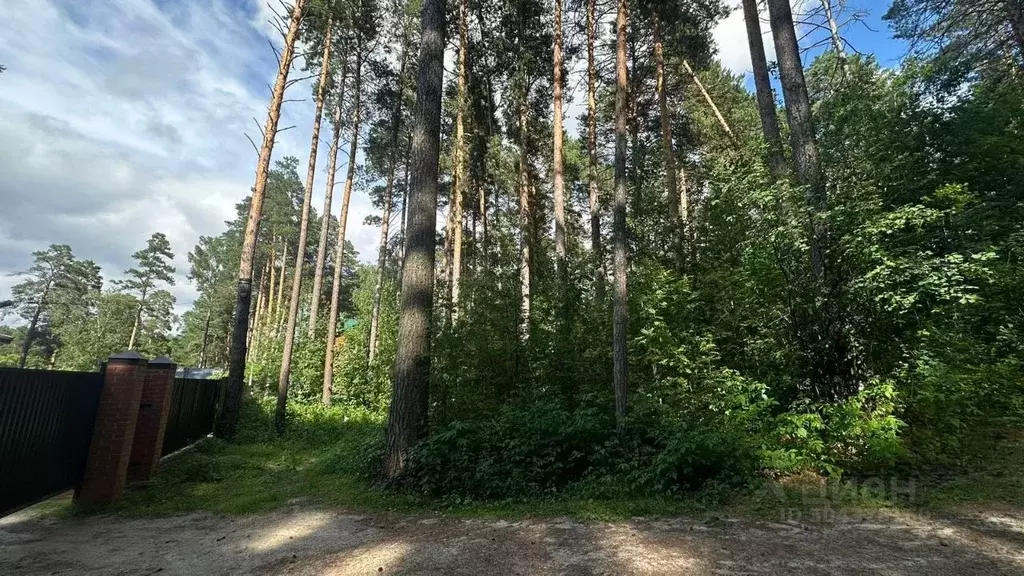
pixel 193 409
pixel 46 422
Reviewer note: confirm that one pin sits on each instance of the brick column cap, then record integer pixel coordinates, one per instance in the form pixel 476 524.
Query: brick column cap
pixel 163 362
pixel 127 357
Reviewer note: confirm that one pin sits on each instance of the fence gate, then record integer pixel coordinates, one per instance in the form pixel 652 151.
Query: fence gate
pixel 46 422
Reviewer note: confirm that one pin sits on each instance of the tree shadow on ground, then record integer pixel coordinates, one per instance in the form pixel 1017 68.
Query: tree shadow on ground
pixel 322 541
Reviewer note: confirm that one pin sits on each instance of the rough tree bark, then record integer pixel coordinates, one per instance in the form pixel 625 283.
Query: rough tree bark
pixel 557 152
pixel 407 417
pixel 620 319
pixel 227 421
pixel 592 185
pixel 801 127
pixel 765 97
pixel 325 223
pixel 382 251
pixel 300 250
pixel 339 249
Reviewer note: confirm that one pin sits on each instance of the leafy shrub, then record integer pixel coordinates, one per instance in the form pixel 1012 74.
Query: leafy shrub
pixel 695 456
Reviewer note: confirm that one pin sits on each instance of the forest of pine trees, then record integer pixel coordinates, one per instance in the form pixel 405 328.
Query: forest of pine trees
pixel 699 283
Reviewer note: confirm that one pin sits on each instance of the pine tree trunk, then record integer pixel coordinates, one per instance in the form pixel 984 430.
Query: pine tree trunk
pixel 620 320
pixel 559 163
pixel 261 301
pixel 459 182
pixel 765 97
pixel 405 216
pixel 407 417
pixel 325 225
pixel 227 421
pixel 389 190
pixel 138 320
pixel 801 127
pixel 30 334
pixel 592 186
pixel 278 318
pixel 667 152
pixel 300 249
pixel 525 225
pixel 339 250
pixel 268 319
pixel 206 339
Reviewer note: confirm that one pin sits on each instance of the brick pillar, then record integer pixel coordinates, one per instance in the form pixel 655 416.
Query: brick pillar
pixel 154 406
pixel 107 464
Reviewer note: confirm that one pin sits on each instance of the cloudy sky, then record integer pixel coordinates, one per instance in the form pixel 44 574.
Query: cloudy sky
pixel 119 118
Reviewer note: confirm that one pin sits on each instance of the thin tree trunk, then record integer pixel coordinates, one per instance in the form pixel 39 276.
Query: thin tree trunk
pixel 332 169
pixel 206 339
pixel 268 319
pixel 138 320
pixel 339 250
pixel 30 334
pixel 482 210
pixel 407 417
pixel 300 249
pixel 557 152
pixel 765 97
pixel 833 28
pixel 279 307
pixel 396 129
pixel 801 127
pixel 227 421
pixel 710 101
pixel 261 301
pixel 620 321
pixel 460 139
pixel 667 152
pixel 525 225
pixel 405 216
pixel 592 186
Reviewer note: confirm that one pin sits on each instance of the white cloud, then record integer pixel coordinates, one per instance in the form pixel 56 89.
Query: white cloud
pixel 123 119
pixel 730 35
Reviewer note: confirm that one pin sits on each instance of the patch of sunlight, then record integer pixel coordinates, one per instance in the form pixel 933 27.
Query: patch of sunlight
pixel 634 551
pixel 292 528
pixel 385 557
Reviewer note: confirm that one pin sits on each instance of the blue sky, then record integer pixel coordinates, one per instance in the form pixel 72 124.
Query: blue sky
pixel 126 117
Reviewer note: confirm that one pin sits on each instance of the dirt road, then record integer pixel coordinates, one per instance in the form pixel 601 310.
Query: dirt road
pixel 314 541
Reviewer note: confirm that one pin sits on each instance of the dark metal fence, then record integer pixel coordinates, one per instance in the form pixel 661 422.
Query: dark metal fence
pixel 46 422
pixel 193 408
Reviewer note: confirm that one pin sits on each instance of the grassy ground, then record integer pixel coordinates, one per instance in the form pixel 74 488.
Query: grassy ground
pixel 323 461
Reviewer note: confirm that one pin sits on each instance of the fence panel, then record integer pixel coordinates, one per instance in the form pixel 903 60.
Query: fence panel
pixel 193 408
pixel 46 422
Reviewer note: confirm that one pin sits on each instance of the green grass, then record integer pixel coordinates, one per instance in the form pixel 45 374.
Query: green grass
pixel 326 458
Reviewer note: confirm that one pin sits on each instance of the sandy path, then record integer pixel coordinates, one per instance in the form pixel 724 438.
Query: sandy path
pixel 314 541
